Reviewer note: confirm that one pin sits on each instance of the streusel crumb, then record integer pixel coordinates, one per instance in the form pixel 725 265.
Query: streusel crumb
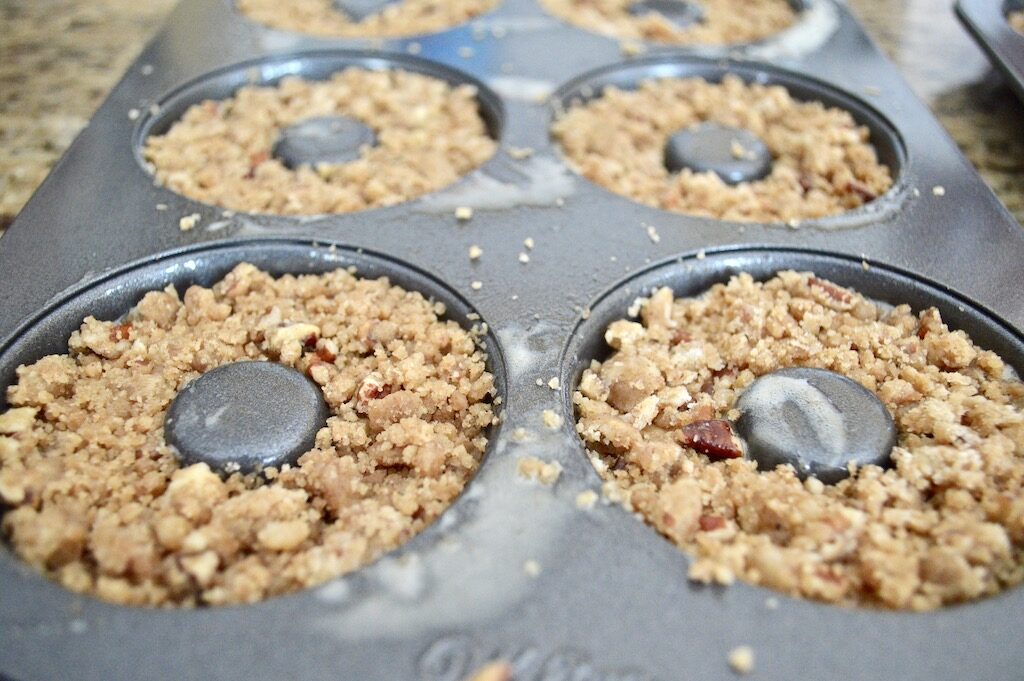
pixel 429 134
pixel 823 162
pixel 99 502
pixel 945 524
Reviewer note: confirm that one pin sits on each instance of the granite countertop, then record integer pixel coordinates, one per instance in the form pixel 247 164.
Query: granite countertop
pixel 59 58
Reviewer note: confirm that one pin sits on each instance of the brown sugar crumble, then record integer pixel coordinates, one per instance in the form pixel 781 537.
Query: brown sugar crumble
pixel 945 524
pixel 405 18
pixel 220 152
pixel 726 22
pixel 99 502
pixel 823 163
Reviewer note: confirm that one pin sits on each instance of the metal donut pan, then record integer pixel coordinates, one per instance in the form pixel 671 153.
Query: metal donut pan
pixel 986 21
pixel 611 601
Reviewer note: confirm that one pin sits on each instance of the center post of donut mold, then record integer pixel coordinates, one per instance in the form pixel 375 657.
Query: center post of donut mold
pixel 734 154
pixel 323 139
pixel 358 10
pixel 245 416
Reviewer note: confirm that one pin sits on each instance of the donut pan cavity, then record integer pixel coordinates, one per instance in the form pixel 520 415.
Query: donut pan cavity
pixel 611 601
pixel 887 141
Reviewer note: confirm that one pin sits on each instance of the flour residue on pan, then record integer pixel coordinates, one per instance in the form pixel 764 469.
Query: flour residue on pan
pixel 814 28
pixel 542 181
pixel 530 90
pixel 498 531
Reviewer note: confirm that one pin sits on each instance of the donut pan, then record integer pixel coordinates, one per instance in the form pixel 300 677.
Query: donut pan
pixel 611 601
pixel 987 23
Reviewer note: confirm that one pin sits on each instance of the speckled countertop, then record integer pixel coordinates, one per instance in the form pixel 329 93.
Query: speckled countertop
pixel 59 58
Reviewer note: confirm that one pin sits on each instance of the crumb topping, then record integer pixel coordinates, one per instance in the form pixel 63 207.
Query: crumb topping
pixel 945 524
pixel 823 162
pixel 726 22
pixel 99 502
pixel 405 18
pixel 429 134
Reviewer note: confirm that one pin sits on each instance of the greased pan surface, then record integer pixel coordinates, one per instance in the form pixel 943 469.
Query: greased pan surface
pixel 611 600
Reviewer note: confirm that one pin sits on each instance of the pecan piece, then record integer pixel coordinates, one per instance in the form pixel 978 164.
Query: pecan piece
pixel 861 190
pixel 120 332
pixel 371 388
pixel 713 437
pixel 710 523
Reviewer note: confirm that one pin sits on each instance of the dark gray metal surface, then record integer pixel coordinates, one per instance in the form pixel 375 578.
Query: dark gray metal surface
pixel 327 139
pixel 986 21
pixel 712 147
pixel 611 601
pixel 245 416
pixel 679 12
pixel 357 10
pixel 816 421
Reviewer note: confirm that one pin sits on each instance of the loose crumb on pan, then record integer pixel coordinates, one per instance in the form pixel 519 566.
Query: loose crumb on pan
pixel 475 252
pixel 552 420
pixel 631 48
pixel 823 162
pixel 521 435
pixel 586 500
pixel 741 659
pixel 939 190
pixel 945 524
pixel 519 153
pixel 1016 20
pixel 725 22
pixel 538 470
pixel 220 152
pixel 408 17
pixel 531 568
pixel 463 213
pixel 99 502
pixel 492 671
pixel 188 222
